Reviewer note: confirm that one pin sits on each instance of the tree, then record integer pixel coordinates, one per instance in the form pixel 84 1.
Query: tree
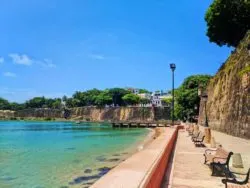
pixel 80 99
pixel 57 103
pixel 228 21
pixel 167 101
pixel 131 99
pixel 16 106
pixel 103 99
pixel 49 103
pixel 117 94
pixel 4 104
pixel 36 102
pixel 143 91
pixel 187 99
pixel 90 96
pixel 72 102
pixel 144 101
pixel 86 98
pixel 64 98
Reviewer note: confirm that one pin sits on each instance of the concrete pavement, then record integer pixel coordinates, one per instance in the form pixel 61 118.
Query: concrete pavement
pixel 187 169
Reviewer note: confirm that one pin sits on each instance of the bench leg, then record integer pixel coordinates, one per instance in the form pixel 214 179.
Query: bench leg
pixel 213 170
pixel 205 160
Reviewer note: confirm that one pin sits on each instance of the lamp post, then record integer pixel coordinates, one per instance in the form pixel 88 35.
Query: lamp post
pixel 172 67
pixel 204 97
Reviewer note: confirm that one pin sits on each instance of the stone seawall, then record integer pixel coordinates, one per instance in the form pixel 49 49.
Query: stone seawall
pixel 228 105
pixel 40 113
pixel 100 114
pixel 6 114
pixel 146 168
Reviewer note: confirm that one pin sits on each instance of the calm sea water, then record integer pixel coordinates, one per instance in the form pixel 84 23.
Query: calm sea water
pixel 60 154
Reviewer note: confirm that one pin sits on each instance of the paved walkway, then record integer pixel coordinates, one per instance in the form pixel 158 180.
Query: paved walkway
pixel 188 170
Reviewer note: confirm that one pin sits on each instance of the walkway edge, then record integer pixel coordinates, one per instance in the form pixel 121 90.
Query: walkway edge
pixel 144 169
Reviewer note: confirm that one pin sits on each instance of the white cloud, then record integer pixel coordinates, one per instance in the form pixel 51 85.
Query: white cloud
pixel 9 74
pixel 21 59
pixel 1 60
pixel 47 63
pixel 24 59
pixel 96 56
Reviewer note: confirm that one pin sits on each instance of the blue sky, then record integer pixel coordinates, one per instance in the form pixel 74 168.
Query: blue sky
pixel 55 47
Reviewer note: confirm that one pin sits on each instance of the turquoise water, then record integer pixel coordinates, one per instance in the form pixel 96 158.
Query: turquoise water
pixel 61 154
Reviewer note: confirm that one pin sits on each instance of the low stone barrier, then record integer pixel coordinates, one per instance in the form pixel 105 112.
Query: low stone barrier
pixel 157 174
pixel 145 169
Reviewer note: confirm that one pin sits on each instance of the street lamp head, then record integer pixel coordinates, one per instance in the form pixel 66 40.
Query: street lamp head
pixel 172 66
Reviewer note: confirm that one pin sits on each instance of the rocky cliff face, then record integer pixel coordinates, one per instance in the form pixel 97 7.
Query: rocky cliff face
pixel 40 113
pixel 6 114
pixel 228 105
pixel 100 114
pixel 120 114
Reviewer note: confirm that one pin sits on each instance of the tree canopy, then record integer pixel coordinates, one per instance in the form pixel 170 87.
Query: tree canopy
pixel 117 94
pixel 144 101
pixel 4 104
pixel 143 91
pixel 42 102
pixel 103 99
pixel 92 97
pixel 131 99
pixel 187 99
pixel 167 101
pixel 228 21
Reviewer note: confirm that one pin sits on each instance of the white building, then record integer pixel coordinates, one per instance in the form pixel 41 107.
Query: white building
pixel 156 101
pixel 158 96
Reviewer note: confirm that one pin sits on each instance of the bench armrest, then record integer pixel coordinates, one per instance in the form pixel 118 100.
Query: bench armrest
pixel 210 151
pixel 217 158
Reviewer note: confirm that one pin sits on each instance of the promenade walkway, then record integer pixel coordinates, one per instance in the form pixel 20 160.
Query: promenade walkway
pixel 187 169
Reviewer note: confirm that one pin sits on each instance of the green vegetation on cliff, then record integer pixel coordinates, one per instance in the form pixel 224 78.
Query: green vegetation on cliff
pixel 131 99
pixel 187 99
pixel 6 105
pixel 93 97
pixel 228 21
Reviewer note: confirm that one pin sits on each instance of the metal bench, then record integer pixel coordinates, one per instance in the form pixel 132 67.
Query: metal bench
pixel 235 182
pixel 198 141
pixel 191 130
pixel 217 159
pixel 195 135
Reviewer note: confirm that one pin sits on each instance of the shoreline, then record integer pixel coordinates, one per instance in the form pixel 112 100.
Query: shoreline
pixel 131 151
pixel 143 167
pixel 126 154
